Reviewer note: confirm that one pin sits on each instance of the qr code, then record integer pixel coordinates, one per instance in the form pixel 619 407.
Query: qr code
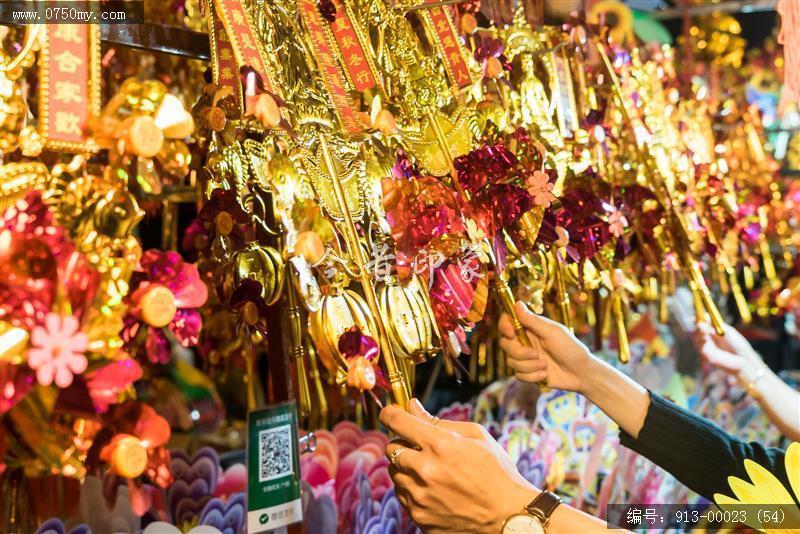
pixel 275 453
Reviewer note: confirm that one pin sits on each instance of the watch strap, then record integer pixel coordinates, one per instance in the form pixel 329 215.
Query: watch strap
pixel 543 506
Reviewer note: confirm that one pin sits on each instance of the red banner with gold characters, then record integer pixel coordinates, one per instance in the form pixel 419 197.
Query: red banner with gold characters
pixel 69 93
pixel 449 45
pixel 360 70
pixel 235 44
pixel 223 61
pixel 322 39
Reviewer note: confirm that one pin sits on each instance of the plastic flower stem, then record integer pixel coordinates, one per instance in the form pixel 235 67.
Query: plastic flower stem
pixel 617 312
pixel 663 292
pixel 766 253
pixel 561 289
pixel 396 379
pixel 320 418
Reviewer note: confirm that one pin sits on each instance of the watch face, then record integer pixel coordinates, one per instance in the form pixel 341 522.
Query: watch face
pixel 522 524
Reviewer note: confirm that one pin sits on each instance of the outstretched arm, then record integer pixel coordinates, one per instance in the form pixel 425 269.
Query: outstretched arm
pixel 567 364
pixel 698 453
pixel 734 354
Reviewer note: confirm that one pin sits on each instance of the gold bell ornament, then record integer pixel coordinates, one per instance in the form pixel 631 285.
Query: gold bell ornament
pixel 338 312
pixel 409 317
pixel 263 264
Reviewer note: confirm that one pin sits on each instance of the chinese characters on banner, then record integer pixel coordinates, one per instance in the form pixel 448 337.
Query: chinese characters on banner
pixel 223 62
pixel 70 85
pixel 358 67
pixel 329 68
pixel 235 44
pixel 449 45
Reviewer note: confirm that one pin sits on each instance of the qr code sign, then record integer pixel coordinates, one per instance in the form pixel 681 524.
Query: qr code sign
pixel 275 453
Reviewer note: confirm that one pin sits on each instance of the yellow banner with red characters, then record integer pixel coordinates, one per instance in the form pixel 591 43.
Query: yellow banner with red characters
pixel 449 45
pixel 69 93
pixel 223 61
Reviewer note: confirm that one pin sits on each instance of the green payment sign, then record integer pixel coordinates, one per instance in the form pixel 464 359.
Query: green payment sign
pixel 273 468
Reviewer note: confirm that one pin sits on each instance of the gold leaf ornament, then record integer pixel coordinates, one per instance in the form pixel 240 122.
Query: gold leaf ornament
pixel 424 145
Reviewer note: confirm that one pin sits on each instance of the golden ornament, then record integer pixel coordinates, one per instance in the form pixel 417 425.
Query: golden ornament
pixel 158 306
pixel 264 265
pixel 409 319
pixel 129 458
pixel 338 312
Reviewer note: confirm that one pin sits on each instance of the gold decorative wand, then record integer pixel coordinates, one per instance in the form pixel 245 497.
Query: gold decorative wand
pixel 398 384
pixel 676 226
pixel 297 350
pixel 766 254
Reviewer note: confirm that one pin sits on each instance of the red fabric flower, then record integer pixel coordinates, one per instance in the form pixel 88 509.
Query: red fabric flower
pixel 36 255
pixel 582 216
pixel 361 352
pixel 167 292
pixel 484 166
pixel 249 306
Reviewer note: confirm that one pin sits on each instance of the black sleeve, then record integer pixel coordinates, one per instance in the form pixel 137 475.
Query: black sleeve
pixel 696 451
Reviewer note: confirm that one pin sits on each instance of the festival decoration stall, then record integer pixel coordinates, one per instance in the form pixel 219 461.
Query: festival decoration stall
pixel 220 259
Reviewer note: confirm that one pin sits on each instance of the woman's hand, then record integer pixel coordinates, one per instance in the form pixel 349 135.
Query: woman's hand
pixel 556 355
pixel 566 363
pixel 732 353
pixel 452 476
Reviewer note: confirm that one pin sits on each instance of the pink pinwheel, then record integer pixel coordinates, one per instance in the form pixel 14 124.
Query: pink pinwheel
pixel 57 350
pixel 166 291
pixel 37 261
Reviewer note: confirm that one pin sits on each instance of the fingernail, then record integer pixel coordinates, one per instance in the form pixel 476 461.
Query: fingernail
pixel 417 407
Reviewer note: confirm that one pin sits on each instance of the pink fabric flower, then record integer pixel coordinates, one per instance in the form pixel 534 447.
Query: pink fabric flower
pixel 541 189
pixel 189 292
pixel 57 351
pixel 617 223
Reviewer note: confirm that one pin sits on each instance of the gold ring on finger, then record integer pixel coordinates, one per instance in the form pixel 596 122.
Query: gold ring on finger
pixel 395 456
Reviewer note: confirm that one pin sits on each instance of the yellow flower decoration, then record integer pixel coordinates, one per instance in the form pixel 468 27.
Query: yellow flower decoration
pixel 765 488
